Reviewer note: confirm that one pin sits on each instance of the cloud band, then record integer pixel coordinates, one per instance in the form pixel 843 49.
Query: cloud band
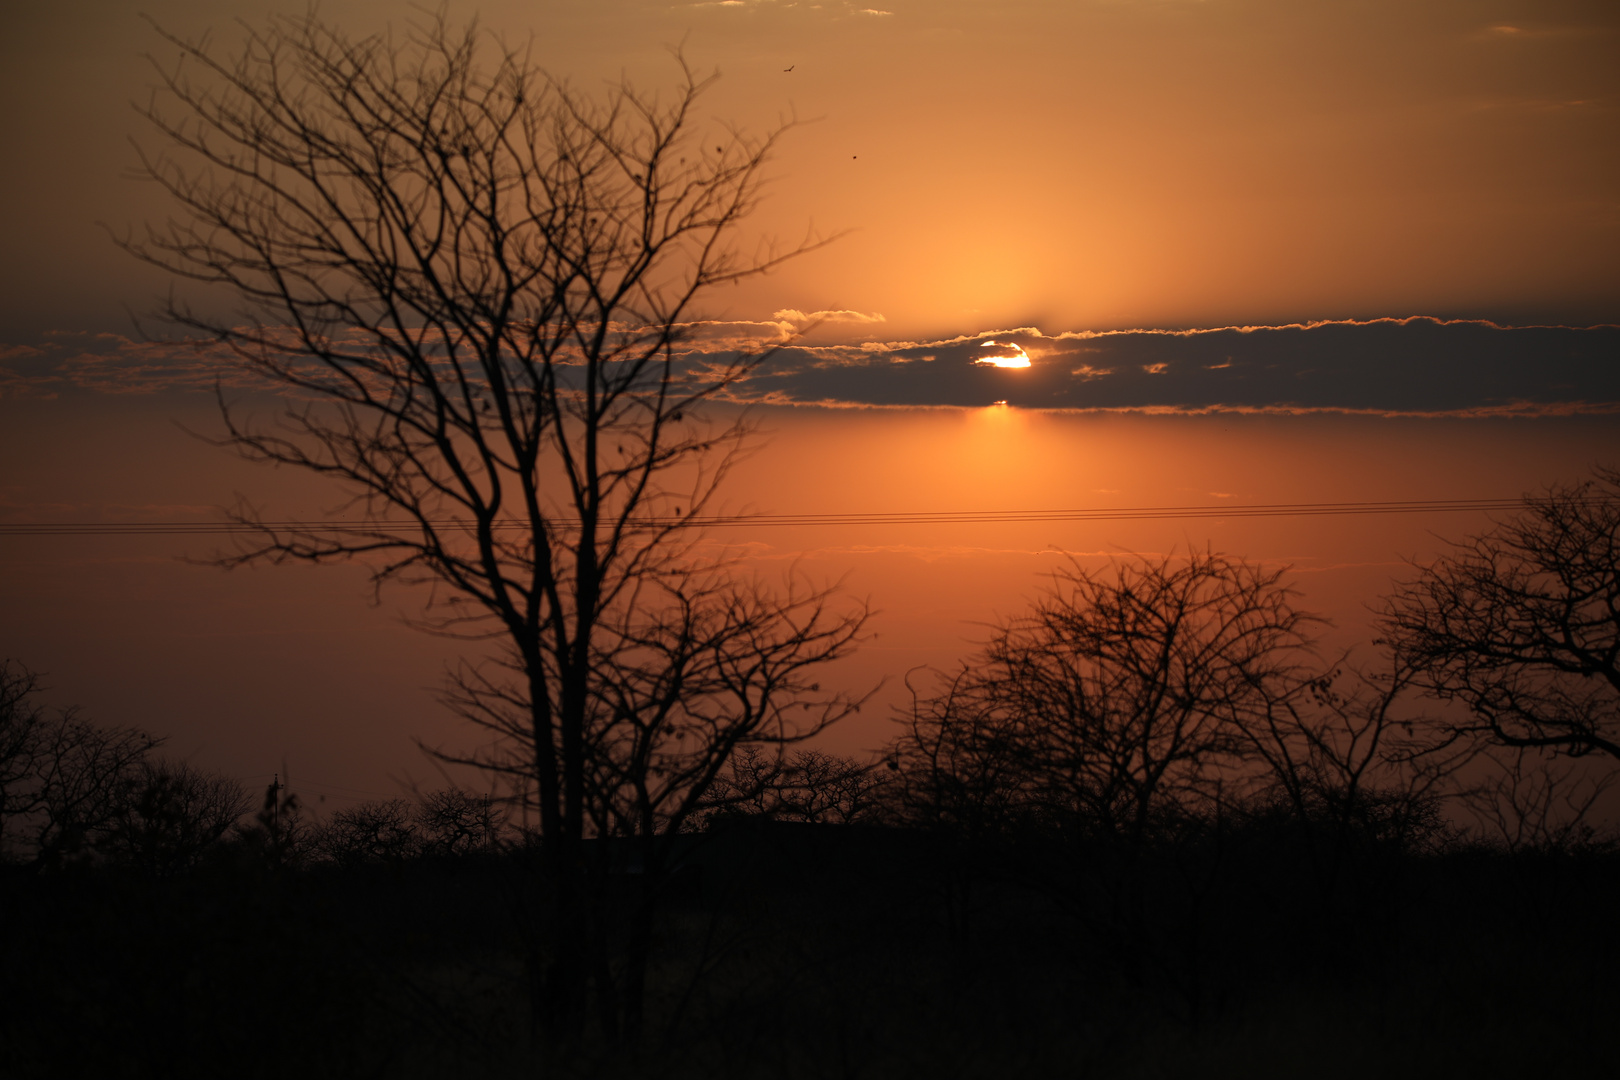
pixel 1412 365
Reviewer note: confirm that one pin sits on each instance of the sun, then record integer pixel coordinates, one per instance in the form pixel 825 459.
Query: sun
pixel 1011 355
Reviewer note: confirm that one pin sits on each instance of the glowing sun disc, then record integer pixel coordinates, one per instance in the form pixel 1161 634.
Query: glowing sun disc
pixel 1019 358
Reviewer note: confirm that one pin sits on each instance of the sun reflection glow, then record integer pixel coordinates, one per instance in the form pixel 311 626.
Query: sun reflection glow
pixel 1012 355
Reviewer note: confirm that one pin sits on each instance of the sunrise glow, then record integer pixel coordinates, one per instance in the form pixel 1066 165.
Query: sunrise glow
pixel 1012 356
pixel 533 540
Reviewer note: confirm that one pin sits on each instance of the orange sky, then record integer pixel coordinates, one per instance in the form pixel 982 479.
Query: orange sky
pixel 1061 165
pixel 253 668
pixel 1068 164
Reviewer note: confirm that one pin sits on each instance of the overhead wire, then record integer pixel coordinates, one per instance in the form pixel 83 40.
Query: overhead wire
pixel 933 517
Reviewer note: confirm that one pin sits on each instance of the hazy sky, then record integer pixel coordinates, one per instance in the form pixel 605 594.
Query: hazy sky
pixel 1367 250
pixel 1063 164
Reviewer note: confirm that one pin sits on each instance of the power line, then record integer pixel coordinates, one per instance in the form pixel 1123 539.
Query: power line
pixel 939 517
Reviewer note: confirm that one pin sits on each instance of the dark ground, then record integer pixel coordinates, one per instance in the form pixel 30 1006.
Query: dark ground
pixel 830 951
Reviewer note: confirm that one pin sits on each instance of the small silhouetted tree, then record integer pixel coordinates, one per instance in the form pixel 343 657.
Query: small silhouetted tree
pixel 747 787
pixel 379 831
pixel 22 724
pixel 1102 727
pixel 171 815
pixel 1520 625
pixel 1353 761
pixel 811 786
pixel 1532 801
pixel 454 822
pixel 830 789
pixel 1119 698
pixel 70 789
pixel 64 781
pixel 85 774
pixel 472 281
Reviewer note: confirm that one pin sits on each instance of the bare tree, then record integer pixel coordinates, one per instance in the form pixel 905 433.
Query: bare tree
pixel 171 815
pixel 830 789
pixel 64 781
pixel 22 731
pixel 379 831
pixel 472 281
pixel 447 822
pixel 1102 732
pixel 456 822
pixel 963 764
pixel 1532 802
pixel 747 786
pixel 70 789
pixel 1352 760
pixel 1116 698
pixel 84 776
pixel 1521 624
pixel 811 786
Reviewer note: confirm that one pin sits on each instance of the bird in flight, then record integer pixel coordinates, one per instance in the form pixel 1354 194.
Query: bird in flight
pixel 790 67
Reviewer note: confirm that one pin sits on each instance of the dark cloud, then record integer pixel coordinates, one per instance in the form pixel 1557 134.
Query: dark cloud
pixel 1416 365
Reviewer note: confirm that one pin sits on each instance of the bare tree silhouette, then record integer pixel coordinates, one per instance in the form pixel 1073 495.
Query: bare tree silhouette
pixel 22 724
pixel 1530 802
pixel 471 281
pixel 1109 725
pixel 1114 698
pixel 171 815
pixel 748 786
pixel 810 786
pixel 64 781
pixel 379 831
pixel 1353 761
pixel 456 822
pixel 831 789
pixel 1521 624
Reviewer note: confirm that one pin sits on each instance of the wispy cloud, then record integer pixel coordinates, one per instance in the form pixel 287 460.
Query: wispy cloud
pixel 794 315
pixel 115 364
pixel 1531 30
